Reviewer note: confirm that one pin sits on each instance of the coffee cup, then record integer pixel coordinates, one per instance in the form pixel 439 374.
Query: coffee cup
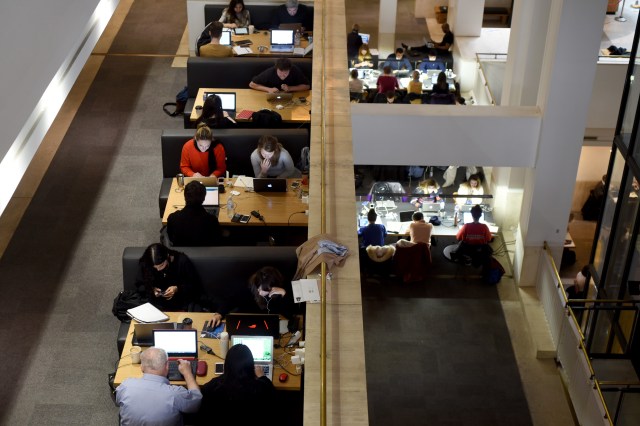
pixel 135 354
pixel 251 29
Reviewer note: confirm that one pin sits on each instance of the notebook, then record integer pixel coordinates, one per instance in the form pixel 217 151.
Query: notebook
pixel 143 333
pixel 282 41
pixel 228 100
pixel 225 39
pixel 179 344
pixel 262 350
pixel 253 324
pixel 269 185
pixel 245 114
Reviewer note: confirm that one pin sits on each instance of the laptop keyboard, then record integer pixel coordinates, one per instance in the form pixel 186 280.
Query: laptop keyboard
pixel 266 369
pixel 174 374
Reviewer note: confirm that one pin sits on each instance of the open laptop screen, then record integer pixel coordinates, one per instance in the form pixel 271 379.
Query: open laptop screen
pixel 365 38
pixel 284 37
pixel 212 196
pixel 228 100
pixel 261 346
pixel 225 39
pixel 177 342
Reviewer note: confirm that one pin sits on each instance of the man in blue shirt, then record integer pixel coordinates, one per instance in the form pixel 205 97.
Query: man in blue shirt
pixel 151 399
pixel 398 61
pixel 372 234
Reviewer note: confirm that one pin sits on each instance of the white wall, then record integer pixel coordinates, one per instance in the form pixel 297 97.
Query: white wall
pixel 44 46
pixel 606 95
pixel 445 134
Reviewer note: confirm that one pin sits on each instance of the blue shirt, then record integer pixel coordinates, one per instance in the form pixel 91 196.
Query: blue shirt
pixel 153 400
pixel 373 234
pixel 396 64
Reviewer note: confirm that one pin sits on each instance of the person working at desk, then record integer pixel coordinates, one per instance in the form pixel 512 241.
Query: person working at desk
pixel 213 115
pixel 364 58
pixel 241 396
pixel 432 62
pixel 214 49
pixel 441 87
pixel 419 231
pixel 151 399
pixel 235 15
pixel 282 77
pixel 387 81
pixel 203 155
pixel 354 41
pixel 472 187
pixel 270 159
pixel 356 85
pixel 292 13
pixel 430 189
pixel 373 234
pixel 474 240
pixel 397 61
pixel 443 46
pixel 193 226
pixel 415 88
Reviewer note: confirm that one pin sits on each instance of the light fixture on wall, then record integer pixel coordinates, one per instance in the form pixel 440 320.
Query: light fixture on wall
pixel 621 18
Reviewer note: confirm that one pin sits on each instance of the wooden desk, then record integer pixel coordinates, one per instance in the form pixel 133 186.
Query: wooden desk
pixel 295 111
pixel 126 369
pixel 277 208
pixel 263 38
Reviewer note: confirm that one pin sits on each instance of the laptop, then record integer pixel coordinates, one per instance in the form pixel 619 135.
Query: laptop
pixel 406 216
pixel 212 197
pixel 279 97
pixel 466 208
pixel 228 100
pixel 282 41
pixel 269 185
pixel 179 344
pixel 365 38
pixel 253 324
pixel 225 38
pixel 241 31
pixel 143 332
pixel 296 26
pixel 262 350
pixel 431 207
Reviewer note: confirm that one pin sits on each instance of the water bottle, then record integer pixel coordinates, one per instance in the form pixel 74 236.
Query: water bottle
pixel 297 38
pixel 442 208
pixel 230 209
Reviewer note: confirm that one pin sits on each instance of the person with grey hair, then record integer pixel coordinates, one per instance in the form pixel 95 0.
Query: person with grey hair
pixel 151 399
pixel 293 12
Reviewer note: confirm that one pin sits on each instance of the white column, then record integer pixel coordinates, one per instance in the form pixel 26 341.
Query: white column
pixel 567 76
pixel 465 17
pixel 387 27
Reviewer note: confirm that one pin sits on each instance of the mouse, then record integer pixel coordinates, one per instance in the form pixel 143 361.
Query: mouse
pixel 201 369
pixel 279 106
pixel 283 377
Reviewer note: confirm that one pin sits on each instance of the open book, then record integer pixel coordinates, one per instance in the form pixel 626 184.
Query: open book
pixel 147 313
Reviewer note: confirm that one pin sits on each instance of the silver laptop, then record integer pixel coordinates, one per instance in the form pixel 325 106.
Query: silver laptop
pixel 431 207
pixel 282 41
pixel 465 208
pixel 279 97
pixel 262 350
pixel 228 100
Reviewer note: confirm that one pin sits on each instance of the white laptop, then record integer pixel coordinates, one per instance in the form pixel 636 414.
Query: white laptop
pixel 211 199
pixel 282 41
pixel 228 100
pixel 225 39
pixel 262 350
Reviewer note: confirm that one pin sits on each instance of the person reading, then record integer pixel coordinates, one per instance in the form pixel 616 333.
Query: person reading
pixel 282 77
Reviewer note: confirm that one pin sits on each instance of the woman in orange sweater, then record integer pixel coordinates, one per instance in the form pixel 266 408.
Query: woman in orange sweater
pixel 203 156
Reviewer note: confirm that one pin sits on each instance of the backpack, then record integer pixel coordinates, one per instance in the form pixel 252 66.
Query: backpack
pixel 124 301
pixel 266 118
pixel 494 272
pixel 181 101
pixel 303 164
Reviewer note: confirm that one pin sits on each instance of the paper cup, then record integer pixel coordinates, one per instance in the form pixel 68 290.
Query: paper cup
pixel 135 354
pixel 251 29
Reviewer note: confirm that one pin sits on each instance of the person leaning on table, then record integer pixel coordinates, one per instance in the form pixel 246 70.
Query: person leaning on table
pixel 151 399
pixel 282 77
pixel 203 155
pixel 270 159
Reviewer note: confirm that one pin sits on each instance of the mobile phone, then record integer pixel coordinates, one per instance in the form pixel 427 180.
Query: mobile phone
pixel 245 219
pixel 219 368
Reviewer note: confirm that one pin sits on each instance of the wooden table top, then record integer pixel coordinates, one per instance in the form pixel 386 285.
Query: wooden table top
pixel 278 209
pixel 263 38
pixel 126 369
pixel 295 111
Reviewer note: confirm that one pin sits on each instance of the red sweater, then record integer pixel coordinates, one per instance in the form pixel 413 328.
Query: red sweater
pixel 474 233
pixel 387 83
pixel 193 161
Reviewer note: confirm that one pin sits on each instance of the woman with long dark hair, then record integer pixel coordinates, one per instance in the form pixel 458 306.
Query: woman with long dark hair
pixel 235 15
pixel 213 115
pixel 241 396
pixel 203 155
pixel 270 294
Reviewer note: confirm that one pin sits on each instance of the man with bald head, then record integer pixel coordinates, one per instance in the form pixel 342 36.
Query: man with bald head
pixel 151 399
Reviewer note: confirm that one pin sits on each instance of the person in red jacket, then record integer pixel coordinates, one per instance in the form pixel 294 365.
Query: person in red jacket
pixel 474 240
pixel 203 155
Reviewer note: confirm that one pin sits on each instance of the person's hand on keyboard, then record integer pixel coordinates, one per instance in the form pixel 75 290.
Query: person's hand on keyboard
pixel 259 371
pixel 184 367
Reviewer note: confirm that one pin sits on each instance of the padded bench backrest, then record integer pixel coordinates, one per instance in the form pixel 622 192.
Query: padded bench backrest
pixel 261 15
pixel 232 73
pixel 238 145
pixel 224 271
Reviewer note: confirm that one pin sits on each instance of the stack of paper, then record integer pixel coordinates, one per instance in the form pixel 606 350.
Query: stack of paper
pixel 147 313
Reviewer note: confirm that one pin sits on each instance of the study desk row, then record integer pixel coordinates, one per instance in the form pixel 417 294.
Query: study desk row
pixel 428 79
pixel 259 44
pixel 277 208
pixel 282 359
pixel 297 110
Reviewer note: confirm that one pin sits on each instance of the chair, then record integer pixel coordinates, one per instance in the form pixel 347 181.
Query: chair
pixel 412 263
pixel 443 99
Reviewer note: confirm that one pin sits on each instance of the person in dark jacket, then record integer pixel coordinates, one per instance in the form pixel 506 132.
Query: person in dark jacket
pixel 241 396
pixel 193 226
pixel 293 13
pixel 354 41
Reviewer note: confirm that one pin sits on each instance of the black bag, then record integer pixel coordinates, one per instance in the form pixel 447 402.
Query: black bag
pixel 494 272
pixel 266 118
pixel 124 301
pixel 181 101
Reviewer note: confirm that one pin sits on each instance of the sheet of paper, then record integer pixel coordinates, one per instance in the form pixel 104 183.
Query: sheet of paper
pixel 305 290
pixel 239 50
pixel 244 182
